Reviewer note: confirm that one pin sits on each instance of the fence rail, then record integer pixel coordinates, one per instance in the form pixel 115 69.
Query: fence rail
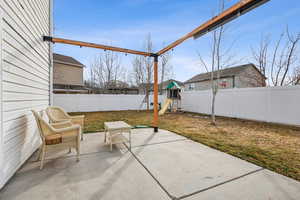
pixel 270 104
pixel 100 102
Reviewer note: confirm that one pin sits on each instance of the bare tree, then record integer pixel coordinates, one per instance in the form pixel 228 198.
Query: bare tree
pixel 148 62
pixel 91 80
pixel 139 71
pixel 274 57
pixel 290 56
pixel 217 39
pixel 166 69
pixel 278 63
pixel 106 70
pixel 220 59
pixel 143 70
pixel 295 78
pixel 261 56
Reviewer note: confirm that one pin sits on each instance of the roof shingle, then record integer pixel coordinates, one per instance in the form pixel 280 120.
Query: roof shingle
pixel 66 60
pixel 223 73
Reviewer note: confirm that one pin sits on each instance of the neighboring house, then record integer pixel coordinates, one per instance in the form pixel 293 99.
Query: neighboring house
pixel 144 87
pixel 235 77
pixel 67 75
pixel 120 87
pixel 25 79
pixel 113 87
pixel 161 87
pixel 116 84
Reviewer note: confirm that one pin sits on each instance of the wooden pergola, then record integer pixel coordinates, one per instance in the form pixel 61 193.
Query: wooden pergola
pixel 240 8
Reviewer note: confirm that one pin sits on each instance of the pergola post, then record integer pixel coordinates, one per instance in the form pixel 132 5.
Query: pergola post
pixel 155 96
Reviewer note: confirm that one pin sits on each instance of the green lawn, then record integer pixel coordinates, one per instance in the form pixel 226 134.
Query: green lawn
pixel 274 147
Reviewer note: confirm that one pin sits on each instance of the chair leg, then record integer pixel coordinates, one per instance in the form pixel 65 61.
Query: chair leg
pixel 78 154
pixel 81 131
pixel 70 150
pixel 39 153
pixel 78 151
pixel 43 156
pixel 110 146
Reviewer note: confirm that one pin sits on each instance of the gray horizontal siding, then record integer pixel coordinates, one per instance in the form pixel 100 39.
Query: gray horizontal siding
pixel 25 79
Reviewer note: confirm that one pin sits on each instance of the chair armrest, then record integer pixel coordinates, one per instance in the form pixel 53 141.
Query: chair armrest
pixel 60 120
pixel 67 129
pixel 63 124
pixel 70 132
pixel 78 121
pixel 77 117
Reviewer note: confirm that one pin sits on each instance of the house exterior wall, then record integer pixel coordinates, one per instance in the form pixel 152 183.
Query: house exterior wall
pixel 64 74
pixel 25 79
pixel 206 85
pixel 1 103
pixel 250 78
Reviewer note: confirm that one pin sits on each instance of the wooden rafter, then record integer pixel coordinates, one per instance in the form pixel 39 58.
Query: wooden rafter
pixel 233 12
pixel 228 15
pixel 93 45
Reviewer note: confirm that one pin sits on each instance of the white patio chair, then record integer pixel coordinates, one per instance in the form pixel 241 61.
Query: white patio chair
pixel 57 114
pixel 57 135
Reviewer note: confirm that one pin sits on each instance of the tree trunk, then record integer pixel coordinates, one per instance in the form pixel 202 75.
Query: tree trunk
pixel 162 80
pixel 147 98
pixel 213 115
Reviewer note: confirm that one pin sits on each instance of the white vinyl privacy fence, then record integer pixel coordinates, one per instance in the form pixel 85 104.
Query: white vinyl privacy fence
pixel 271 104
pixel 100 102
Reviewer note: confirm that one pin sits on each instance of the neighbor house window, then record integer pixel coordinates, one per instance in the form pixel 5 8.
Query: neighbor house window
pixel 223 83
pixel 191 86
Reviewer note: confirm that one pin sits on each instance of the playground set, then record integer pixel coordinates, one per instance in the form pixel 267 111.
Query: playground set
pixel 226 16
pixel 173 100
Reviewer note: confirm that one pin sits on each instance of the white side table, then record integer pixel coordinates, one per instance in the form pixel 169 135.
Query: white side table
pixel 114 133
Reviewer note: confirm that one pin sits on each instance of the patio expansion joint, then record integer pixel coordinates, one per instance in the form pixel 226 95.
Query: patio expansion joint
pixel 219 184
pixel 191 194
pixel 149 172
pixel 156 143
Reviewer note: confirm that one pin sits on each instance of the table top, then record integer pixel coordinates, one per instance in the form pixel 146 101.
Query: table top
pixel 116 125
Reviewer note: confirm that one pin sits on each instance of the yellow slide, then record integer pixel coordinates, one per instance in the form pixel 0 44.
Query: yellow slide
pixel 165 106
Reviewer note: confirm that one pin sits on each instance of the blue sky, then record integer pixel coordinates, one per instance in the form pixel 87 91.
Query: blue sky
pixel 126 23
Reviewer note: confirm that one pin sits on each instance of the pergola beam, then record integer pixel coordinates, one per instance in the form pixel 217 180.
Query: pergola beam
pixel 228 15
pixel 93 45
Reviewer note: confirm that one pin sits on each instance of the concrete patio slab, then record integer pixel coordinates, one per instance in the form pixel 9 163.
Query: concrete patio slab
pixel 185 167
pixel 263 185
pixel 142 137
pixel 94 142
pixel 160 165
pixel 108 176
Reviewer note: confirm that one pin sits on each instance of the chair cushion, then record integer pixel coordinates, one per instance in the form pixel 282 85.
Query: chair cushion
pixel 53 139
